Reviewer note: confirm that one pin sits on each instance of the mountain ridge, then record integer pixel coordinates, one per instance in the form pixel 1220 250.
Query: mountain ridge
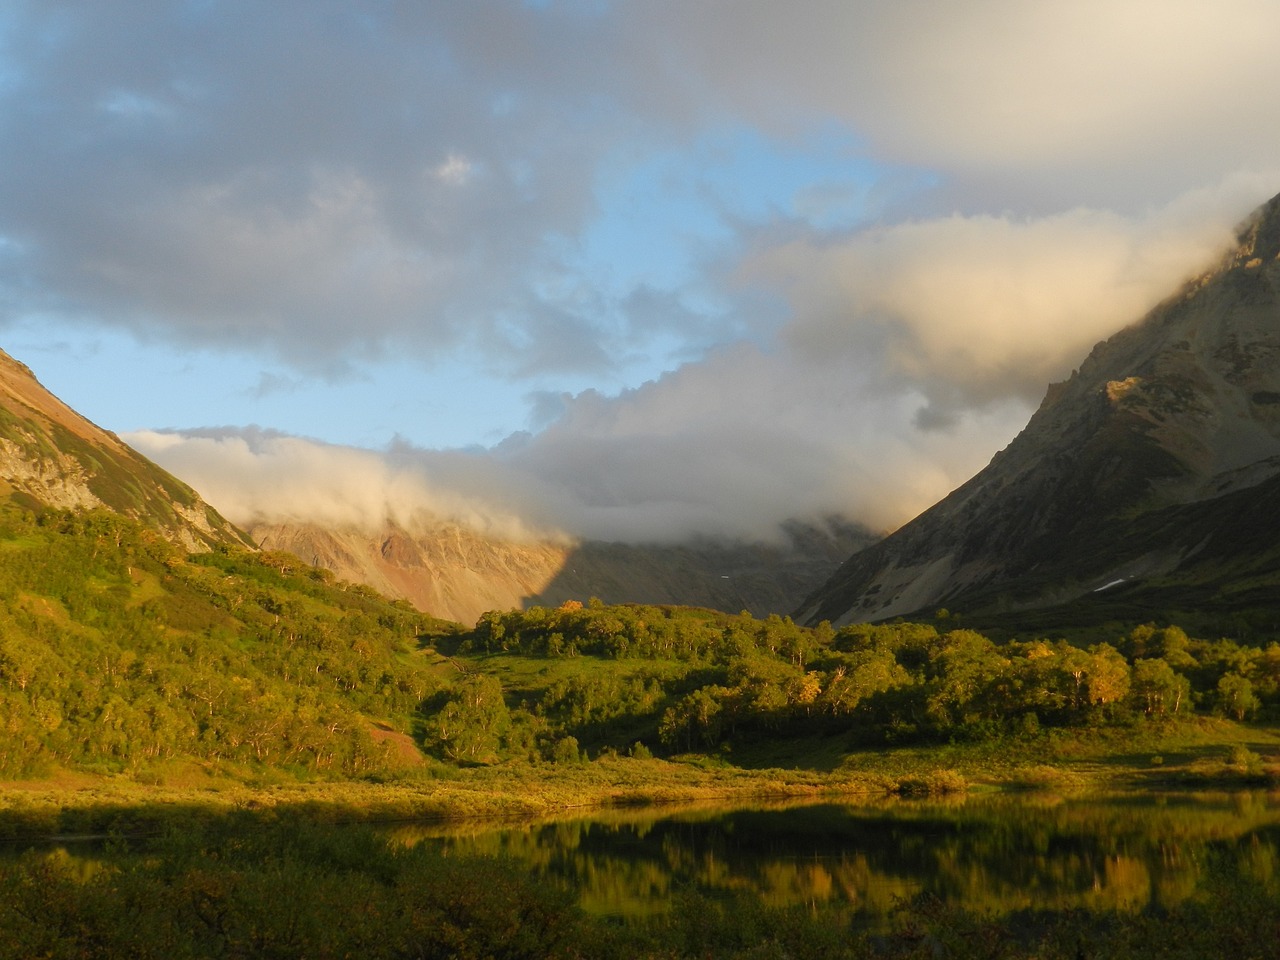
pixel 1176 410
pixel 51 456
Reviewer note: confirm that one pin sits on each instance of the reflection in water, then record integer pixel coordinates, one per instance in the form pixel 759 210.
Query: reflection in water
pixel 990 855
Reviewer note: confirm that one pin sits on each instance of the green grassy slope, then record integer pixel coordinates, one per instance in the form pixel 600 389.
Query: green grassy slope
pixel 119 652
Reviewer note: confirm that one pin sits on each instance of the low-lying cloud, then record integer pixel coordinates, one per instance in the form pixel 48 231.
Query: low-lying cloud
pixel 254 476
pixel 972 309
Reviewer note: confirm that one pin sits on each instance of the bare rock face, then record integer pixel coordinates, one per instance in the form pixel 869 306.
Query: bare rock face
pixel 1172 421
pixel 51 456
pixel 444 570
pixel 454 573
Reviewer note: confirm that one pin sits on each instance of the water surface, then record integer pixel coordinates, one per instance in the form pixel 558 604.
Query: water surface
pixel 993 854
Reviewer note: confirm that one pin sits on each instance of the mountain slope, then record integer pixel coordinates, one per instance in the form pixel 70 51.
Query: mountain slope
pixel 1156 448
pixel 452 572
pixel 50 456
pixel 121 651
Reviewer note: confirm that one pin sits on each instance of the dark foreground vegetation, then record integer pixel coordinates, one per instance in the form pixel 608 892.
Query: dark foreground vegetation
pixel 244 889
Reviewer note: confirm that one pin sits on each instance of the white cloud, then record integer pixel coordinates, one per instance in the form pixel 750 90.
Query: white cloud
pixel 728 448
pixel 456 170
pixel 1109 100
pixel 252 476
pixel 974 308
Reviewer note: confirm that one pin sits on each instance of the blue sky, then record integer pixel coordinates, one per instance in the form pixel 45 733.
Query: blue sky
pixel 657 222
pixel 642 270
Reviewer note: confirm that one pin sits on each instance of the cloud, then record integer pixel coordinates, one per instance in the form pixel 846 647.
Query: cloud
pixel 969 309
pixel 729 448
pixel 316 178
pixel 310 178
pixel 254 476
pixel 913 351
pixel 1095 101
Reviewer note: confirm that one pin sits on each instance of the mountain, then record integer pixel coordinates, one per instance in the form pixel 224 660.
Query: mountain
pixel 50 456
pixel 1151 476
pixel 121 649
pixel 455 573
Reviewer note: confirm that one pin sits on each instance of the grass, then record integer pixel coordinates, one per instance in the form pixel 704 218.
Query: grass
pixel 84 803
pixel 1202 753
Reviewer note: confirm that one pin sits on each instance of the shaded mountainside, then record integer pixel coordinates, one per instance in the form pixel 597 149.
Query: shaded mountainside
pixel 451 572
pixel 1150 475
pixel 50 456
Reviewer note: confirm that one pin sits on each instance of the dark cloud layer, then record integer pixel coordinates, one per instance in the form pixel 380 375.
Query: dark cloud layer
pixel 313 177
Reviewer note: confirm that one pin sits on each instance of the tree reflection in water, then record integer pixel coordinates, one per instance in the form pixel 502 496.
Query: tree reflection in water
pixel 990 856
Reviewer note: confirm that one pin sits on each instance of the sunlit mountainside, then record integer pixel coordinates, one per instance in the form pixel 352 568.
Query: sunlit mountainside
pixel 141 633
pixel 1146 485
pixel 51 456
pixel 451 571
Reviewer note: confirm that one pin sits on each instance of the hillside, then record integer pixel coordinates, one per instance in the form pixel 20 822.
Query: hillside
pixel 1148 477
pixel 119 651
pixel 50 456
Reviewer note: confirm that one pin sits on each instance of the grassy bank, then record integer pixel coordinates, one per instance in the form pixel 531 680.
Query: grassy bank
pixel 1201 752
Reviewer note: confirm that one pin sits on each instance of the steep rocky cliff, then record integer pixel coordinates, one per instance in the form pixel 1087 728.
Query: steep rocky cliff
pixel 1157 451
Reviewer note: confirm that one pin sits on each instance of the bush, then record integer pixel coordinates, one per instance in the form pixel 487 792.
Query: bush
pixel 935 784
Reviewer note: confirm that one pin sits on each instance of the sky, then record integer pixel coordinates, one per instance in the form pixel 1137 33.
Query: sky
pixel 625 269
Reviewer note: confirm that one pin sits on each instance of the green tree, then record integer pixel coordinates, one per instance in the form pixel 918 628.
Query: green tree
pixel 1157 687
pixel 1107 677
pixel 695 721
pixel 965 667
pixel 473 720
pixel 1236 696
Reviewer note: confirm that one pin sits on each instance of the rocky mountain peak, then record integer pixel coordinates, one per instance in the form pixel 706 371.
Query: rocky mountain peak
pixel 1260 236
pixel 1181 408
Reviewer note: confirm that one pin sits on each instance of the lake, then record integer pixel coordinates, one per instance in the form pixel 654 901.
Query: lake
pixel 992 854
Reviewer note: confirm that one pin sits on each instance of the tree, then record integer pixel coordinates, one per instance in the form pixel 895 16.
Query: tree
pixel 1235 695
pixel 1107 675
pixel 1157 687
pixel 965 668
pixel 695 720
pixel 471 723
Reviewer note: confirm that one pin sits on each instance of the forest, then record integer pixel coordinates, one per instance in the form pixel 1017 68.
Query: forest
pixel 678 680
pixel 118 652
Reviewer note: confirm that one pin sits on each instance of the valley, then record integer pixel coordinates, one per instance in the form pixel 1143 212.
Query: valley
pixel 1094 614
